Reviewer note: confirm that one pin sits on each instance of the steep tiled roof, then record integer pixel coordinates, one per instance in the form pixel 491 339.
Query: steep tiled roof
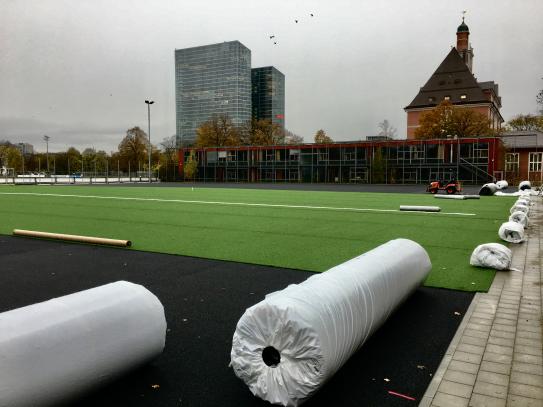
pixel 452 78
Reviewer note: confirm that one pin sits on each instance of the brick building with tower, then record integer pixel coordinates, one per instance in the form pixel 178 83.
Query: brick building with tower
pixel 454 81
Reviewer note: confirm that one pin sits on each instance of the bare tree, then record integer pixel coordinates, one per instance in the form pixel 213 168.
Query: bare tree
pixel 291 138
pixel 386 130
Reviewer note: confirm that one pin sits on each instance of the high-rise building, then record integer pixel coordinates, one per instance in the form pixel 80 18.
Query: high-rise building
pixel 211 80
pixel 268 94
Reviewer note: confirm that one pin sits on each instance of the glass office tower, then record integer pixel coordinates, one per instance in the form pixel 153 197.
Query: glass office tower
pixel 209 80
pixel 268 94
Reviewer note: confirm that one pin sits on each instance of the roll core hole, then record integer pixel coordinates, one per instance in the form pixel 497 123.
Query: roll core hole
pixel 271 356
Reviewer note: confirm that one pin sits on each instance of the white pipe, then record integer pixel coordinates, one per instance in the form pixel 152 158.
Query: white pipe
pixel 288 345
pixel 420 208
pixel 449 196
pixel 53 351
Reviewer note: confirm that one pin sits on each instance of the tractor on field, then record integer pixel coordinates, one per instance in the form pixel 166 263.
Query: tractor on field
pixel 450 187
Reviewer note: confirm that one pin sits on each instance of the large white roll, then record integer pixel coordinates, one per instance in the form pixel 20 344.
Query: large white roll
pixel 512 232
pixel 502 184
pixel 286 346
pixel 488 189
pixel 517 207
pixel 524 185
pixel 519 217
pixel 52 351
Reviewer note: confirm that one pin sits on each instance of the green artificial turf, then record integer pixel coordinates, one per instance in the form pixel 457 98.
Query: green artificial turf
pixel 301 238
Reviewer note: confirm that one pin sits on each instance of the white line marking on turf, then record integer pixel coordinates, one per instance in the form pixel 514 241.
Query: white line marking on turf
pixel 330 208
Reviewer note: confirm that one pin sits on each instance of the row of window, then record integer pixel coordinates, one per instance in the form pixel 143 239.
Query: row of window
pixel 535 161
pixel 432 99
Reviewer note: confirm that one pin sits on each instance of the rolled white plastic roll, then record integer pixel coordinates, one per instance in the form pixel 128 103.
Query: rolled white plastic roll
pixel 502 184
pixel 420 208
pixel 53 351
pixel 449 196
pixel 512 232
pixel 288 345
pixel 524 185
pixel 488 189
pixel 519 208
pixel 519 217
pixel 493 255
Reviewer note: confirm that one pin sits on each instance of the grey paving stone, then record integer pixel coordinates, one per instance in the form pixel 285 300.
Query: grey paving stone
pixel 465 347
pixel 493 378
pixel 464 366
pixel 529 335
pixel 459 377
pixel 475 334
pixel 527 368
pixel 503 350
pixel 528 342
pixel 526 378
pixel 519 401
pixel 481 400
pixel 529 350
pixel 467 357
pixel 502 334
pixel 502 368
pixel 497 357
pixel 506 328
pixel 455 389
pixel 470 340
pixel 448 400
pixel 525 358
pixel 525 390
pixel 489 389
pixel 495 340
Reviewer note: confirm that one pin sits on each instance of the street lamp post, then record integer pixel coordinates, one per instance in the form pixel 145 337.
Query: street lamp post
pixel 46 138
pixel 149 103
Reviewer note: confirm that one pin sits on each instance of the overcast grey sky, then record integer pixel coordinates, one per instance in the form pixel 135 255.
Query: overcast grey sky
pixel 80 70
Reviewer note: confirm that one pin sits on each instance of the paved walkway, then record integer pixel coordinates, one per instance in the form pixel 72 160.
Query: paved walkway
pixel 496 356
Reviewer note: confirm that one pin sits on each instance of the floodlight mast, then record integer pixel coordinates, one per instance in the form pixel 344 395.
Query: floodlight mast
pixel 149 103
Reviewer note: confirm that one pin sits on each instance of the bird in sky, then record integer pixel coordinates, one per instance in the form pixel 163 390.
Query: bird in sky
pixel 296 21
pixel 272 36
pixel 311 14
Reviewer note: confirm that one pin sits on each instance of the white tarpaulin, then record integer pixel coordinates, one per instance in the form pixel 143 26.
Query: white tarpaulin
pixel 519 217
pixel 493 255
pixel 511 232
pixel 288 345
pixel 53 351
pixel 519 208
pixel 488 189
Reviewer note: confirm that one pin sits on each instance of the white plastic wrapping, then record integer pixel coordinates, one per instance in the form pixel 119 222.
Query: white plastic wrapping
pixel 493 255
pixel 438 196
pixel 512 232
pixel 519 208
pixel 488 189
pixel 53 351
pixel 519 217
pixel 286 346
pixel 417 208
pixel 502 184
pixel 525 185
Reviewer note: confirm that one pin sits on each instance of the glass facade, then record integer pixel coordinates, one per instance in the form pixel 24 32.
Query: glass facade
pixel 209 80
pixel 268 94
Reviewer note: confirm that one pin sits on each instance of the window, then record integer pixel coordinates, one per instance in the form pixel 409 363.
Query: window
pixel 511 162
pixel 447 98
pixel 463 96
pixel 535 162
pixel 431 99
pixel 480 150
pixel 417 152
pixel 231 156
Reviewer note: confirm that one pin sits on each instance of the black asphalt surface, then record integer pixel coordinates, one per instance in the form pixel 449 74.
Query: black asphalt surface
pixel 390 188
pixel 203 300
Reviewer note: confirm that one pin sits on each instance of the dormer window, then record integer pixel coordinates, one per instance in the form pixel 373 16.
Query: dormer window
pixel 463 97
pixel 431 99
pixel 447 98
